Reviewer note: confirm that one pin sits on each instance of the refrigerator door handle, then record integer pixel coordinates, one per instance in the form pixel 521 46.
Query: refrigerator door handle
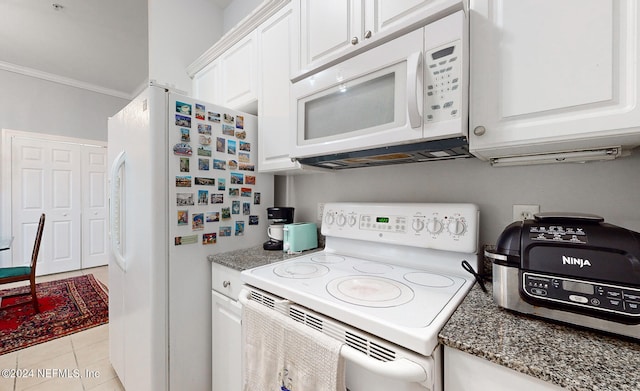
pixel 116 209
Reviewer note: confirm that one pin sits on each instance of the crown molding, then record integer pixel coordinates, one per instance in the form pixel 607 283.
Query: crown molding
pixel 9 67
pixel 263 12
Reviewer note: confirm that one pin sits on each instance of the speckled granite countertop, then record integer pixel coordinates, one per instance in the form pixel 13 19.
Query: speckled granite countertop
pixel 569 357
pixel 252 257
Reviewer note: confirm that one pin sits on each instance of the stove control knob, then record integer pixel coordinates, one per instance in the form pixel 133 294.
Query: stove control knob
pixel 457 227
pixel 328 218
pixel 352 220
pixel 434 226
pixel 418 225
pixel 341 220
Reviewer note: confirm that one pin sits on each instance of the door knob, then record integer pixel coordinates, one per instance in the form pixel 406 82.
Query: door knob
pixel 367 35
pixel 226 284
pixel 354 40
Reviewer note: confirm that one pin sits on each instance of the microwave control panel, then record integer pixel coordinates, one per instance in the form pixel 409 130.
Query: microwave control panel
pixel 443 82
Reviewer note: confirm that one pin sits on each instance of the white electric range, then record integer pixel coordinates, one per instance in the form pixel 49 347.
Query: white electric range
pixel 388 280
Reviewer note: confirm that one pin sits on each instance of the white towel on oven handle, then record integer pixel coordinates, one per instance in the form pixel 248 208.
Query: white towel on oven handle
pixel 282 354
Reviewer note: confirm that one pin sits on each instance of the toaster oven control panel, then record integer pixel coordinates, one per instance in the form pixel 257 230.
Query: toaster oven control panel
pixel 557 233
pixel 594 296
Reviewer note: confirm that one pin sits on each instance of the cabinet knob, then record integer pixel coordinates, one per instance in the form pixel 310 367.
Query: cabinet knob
pixel 354 40
pixel 226 284
pixel 479 130
pixel 367 35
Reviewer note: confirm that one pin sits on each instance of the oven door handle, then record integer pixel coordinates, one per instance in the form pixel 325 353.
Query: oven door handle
pixel 401 369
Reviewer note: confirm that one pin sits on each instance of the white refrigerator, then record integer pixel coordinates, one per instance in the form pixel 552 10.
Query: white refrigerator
pixel 183 185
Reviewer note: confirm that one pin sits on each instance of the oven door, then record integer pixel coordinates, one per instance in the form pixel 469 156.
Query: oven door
pixel 371 364
pixel 360 378
pixel 371 100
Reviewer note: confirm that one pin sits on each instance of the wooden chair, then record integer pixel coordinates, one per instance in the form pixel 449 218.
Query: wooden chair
pixel 24 273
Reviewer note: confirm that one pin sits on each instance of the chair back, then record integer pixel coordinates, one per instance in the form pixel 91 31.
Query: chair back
pixel 36 245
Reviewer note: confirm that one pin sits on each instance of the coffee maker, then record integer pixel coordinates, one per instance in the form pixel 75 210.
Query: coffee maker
pixel 279 216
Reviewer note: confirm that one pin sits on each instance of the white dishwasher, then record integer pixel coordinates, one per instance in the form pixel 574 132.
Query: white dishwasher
pixel 226 337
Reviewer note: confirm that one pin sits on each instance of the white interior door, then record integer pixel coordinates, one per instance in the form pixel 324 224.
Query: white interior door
pixel 94 206
pixel 46 178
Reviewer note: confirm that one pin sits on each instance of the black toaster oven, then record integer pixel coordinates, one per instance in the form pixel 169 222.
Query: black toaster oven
pixel 573 268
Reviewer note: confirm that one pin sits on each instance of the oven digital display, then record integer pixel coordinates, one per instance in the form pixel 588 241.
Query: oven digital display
pixel 382 220
pixel 442 53
pixel 578 287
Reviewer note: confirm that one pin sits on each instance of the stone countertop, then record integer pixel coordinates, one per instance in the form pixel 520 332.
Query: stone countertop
pixel 253 257
pixel 570 357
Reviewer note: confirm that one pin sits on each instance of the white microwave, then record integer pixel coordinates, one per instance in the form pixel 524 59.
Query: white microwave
pixel 405 100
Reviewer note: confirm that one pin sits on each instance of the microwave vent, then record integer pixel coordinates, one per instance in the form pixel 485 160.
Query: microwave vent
pixel 453 148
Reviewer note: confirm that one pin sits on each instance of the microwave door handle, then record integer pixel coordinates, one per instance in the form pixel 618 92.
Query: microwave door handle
pixel 414 89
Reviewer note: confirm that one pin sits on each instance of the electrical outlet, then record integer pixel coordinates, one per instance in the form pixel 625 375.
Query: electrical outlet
pixel 320 211
pixel 525 212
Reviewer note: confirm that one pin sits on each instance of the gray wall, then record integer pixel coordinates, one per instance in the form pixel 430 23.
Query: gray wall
pixel 609 189
pixel 179 32
pixel 238 10
pixel 36 105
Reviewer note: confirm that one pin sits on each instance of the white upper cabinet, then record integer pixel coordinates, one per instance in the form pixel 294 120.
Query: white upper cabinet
pixel 276 39
pixel 552 76
pixel 206 84
pixel 231 80
pixel 384 15
pixel 327 28
pixel 331 30
pixel 239 75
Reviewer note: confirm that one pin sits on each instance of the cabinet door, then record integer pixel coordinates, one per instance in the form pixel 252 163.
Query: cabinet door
pixel 238 73
pixel 464 372
pixel 383 15
pixel 276 38
pixel 226 343
pixel 545 73
pixel 206 84
pixel 327 29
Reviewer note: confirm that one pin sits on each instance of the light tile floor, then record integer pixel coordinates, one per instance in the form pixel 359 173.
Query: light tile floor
pixel 77 362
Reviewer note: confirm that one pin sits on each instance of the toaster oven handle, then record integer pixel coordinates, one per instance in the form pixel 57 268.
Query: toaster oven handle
pixel 565 216
pixel 414 89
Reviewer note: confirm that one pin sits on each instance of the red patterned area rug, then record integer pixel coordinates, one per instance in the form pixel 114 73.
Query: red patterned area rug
pixel 66 307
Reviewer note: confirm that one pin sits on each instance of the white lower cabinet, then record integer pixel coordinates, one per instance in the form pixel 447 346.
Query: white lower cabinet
pixel 226 330
pixel 465 372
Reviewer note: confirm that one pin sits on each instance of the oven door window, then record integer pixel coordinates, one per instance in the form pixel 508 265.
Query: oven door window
pixel 361 106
